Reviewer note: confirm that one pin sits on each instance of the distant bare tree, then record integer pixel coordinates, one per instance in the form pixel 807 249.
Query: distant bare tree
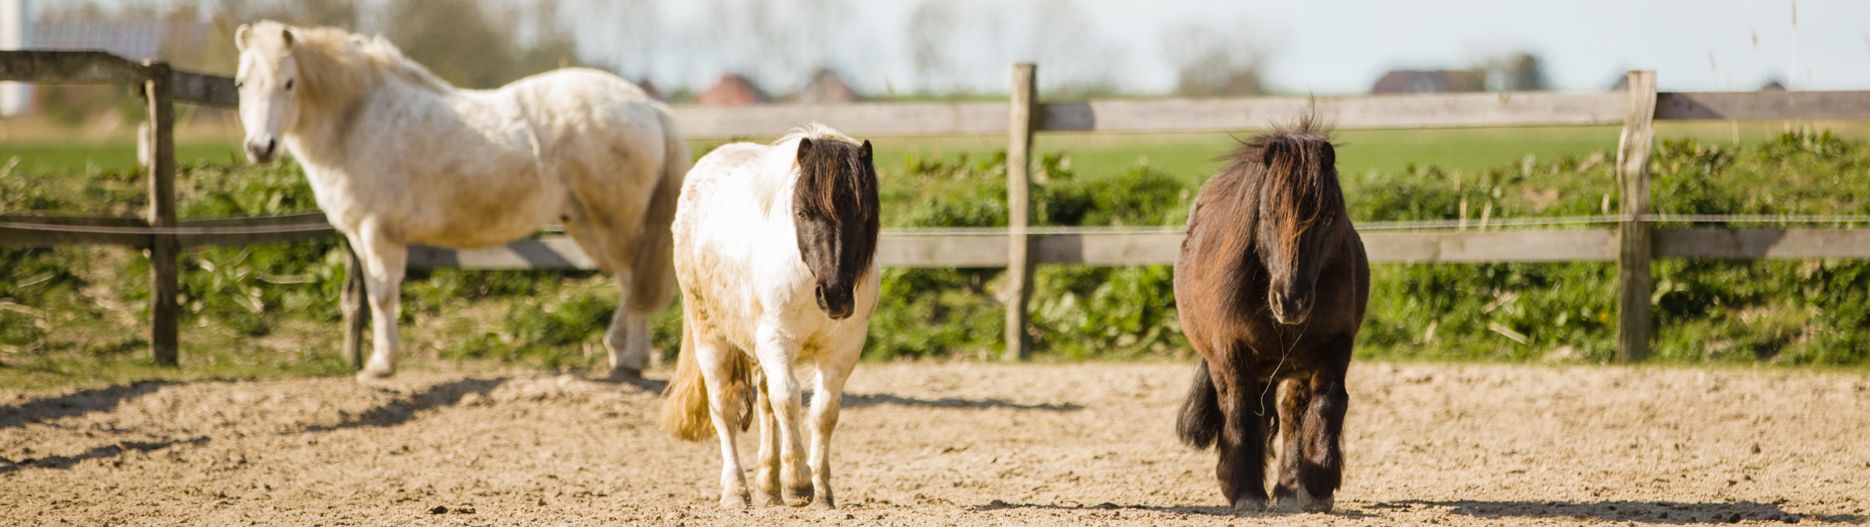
pixel 931 26
pixel 474 45
pixel 1077 60
pixel 1211 63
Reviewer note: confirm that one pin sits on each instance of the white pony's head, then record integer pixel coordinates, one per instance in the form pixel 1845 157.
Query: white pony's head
pixel 268 81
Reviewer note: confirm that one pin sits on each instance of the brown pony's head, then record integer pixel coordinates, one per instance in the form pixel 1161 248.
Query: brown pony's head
pixel 1300 221
pixel 834 208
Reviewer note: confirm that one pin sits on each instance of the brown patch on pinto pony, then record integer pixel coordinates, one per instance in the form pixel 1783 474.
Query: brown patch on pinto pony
pixel 1271 229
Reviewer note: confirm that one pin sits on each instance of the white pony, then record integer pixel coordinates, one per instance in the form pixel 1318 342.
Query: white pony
pixel 397 156
pixel 775 251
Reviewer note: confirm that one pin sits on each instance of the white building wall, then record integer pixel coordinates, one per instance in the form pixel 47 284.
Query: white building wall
pixel 14 16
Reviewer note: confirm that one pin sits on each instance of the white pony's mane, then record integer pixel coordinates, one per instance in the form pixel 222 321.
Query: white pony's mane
pixel 337 64
pixel 816 131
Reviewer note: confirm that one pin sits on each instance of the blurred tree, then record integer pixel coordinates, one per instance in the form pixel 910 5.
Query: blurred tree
pixel 1514 71
pixel 472 45
pixel 1210 63
pixel 1075 59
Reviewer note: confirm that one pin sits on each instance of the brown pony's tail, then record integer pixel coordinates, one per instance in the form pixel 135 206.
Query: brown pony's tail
pixel 652 275
pixel 685 410
pixel 1201 420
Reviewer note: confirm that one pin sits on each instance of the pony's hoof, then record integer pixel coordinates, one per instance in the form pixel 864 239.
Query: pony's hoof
pixel 374 372
pixel 1249 505
pixel 800 495
pixel 825 503
pixel 624 374
pixel 1308 503
pixel 771 499
pixel 734 502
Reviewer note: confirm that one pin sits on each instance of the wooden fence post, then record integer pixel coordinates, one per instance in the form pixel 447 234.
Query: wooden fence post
pixel 1019 262
pixel 164 249
pixel 1634 282
pixel 351 303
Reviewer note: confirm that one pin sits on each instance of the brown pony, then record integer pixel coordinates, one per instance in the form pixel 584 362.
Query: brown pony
pixel 1271 285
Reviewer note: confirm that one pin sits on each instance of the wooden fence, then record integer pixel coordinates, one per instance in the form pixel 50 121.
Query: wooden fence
pixel 1630 238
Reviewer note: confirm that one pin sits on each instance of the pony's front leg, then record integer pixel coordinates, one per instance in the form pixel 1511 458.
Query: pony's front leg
pixel 1321 431
pixel 827 399
pixel 384 263
pixel 724 411
pixel 776 354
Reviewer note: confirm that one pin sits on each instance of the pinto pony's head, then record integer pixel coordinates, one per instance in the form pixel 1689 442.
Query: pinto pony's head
pixel 1300 220
pixel 834 208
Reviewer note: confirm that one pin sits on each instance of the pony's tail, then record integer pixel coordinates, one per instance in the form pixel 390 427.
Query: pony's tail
pixel 652 275
pixel 1201 420
pixel 685 410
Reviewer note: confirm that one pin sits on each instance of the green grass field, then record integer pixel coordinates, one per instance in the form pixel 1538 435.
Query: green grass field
pixel 1188 155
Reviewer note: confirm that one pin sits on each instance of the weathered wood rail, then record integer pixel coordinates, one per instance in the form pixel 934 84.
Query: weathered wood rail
pixel 1631 239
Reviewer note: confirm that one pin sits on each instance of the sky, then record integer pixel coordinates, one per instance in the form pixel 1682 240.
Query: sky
pixel 1314 46
pixel 1319 47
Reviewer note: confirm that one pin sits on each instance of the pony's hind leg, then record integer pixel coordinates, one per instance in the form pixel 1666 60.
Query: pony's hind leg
pixel 627 340
pixel 384 263
pixel 1321 430
pixel 766 469
pixel 827 400
pixel 724 411
pixel 1242 445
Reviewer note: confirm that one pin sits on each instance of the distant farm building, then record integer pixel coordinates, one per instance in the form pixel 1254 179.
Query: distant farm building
pixel 732 90
pixel 825 87
pixel 1429 81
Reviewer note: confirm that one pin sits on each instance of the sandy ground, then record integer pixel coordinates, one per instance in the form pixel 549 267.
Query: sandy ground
pixel 927 444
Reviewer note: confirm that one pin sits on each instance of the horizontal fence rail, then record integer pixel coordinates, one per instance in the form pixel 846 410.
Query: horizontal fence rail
pixel 1629 238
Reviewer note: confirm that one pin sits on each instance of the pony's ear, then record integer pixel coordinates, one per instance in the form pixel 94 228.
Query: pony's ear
pixel 240 36
pixel 1274 147
pixel 805 147
pixel 865 151
pixel 286 35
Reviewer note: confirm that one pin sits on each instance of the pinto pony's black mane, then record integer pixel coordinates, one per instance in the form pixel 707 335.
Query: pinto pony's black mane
pixel 838 180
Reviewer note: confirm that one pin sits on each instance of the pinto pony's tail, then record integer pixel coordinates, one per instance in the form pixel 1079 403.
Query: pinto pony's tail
pixel 652 275
pixel 685 410
pixel 1201 420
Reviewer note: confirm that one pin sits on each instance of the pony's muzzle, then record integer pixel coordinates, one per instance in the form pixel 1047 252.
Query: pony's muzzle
pixel 262 151
pixel 1289 309
pixel 835 301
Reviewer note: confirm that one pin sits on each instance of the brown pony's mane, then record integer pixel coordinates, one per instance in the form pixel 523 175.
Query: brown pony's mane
pixel 1294 167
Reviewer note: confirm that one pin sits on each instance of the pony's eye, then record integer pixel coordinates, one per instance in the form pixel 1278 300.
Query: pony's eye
pixel 289 84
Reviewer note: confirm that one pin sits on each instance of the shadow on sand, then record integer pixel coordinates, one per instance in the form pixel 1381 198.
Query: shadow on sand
pixel 883 399
pixel 404 408
pixel 1185 510
pixel 75 403
pixel 112 450
pixel 1657 512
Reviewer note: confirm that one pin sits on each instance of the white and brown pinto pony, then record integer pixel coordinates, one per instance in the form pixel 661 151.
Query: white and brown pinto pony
pixel 396 156
pixel 775 252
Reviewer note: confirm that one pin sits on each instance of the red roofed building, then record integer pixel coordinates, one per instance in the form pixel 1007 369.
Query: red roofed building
pixel 732 90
